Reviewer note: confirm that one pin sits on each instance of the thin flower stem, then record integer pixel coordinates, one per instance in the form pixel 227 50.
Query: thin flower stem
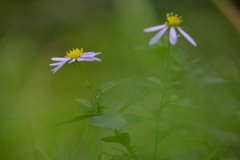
pixel 90 88
pixel 161 104
pixel 166 77
pixel 86 80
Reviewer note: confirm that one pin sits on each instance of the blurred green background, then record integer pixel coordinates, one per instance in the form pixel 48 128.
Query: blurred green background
pixel 32 98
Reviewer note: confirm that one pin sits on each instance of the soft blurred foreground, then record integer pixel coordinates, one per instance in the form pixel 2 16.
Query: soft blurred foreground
pixel 32 98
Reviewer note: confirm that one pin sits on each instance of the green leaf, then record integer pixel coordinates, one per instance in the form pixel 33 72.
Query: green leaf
pixel 100 155
pixel 121 138
pixel 153 112
pixel 162 135
pixel 213 152
pixel 139 95
pixel 78 118
pixel 169 97
pixel 113 83
pixel 208 80
pixel 173 83
pixel 84 102
pixel 88 86
pixel 120 150
pixel 115 121
pixel 155 80
pixel 88 110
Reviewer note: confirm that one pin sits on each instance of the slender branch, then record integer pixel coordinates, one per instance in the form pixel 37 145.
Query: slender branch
pixel 166 77
pixel 79 66
pixel 161 103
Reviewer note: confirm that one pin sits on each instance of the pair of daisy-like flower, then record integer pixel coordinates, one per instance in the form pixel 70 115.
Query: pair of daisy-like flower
pixel 173 22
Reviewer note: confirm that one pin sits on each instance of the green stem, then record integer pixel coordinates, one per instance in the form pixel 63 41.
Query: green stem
pixel 90 88
pixel 166 77
pixel 79 66
pixel 161 103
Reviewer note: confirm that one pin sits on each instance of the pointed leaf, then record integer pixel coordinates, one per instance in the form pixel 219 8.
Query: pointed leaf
pixel 113 83
pixel 114 121
pixel 78 118
pixel 162 135
pixel 100 155
pixel 169 97
pixel 155 80
pixel 208 80
pixel 139 95
pixel 173 83
pixel 122 138
pixel 84 102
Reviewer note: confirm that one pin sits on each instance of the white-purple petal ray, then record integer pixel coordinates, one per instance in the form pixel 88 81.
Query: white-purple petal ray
pixel 55 64
pixel 187 36
pixel 88 59
pixel 97 59
pixel 73 60
pixel 59 66
pixel 60 59
pixel 155 28
pixel 91 53
pixel 158 36
pixel 173 36
pixel 88 55
pixel 80 59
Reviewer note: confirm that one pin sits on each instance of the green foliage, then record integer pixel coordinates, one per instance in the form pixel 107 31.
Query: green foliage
pixel 121 138
pixel 85 102
pixel 112 83
pixel 155 80
pixel 75 119
pixel 173 83
pixel 213 152
pixel 114 121
pixel 208 80
pixel 138 96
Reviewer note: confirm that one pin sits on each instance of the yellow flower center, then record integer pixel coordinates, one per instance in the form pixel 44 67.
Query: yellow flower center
pixel 173 20
pixel 75 53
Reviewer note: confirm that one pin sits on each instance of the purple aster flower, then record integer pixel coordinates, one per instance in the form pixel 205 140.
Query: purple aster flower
pixel 74 55
pixel 173 22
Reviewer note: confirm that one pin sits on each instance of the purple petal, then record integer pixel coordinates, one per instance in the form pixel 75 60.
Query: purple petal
pixel 60 59
pixel 55 64
pixel 88 59
pixel 173 36
pixel 73 60
pixel 158 36
pixel 97 59
pixel 187 36
pixel 80 59
pixel 155 28
pixel 59 66
pixel 90 54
